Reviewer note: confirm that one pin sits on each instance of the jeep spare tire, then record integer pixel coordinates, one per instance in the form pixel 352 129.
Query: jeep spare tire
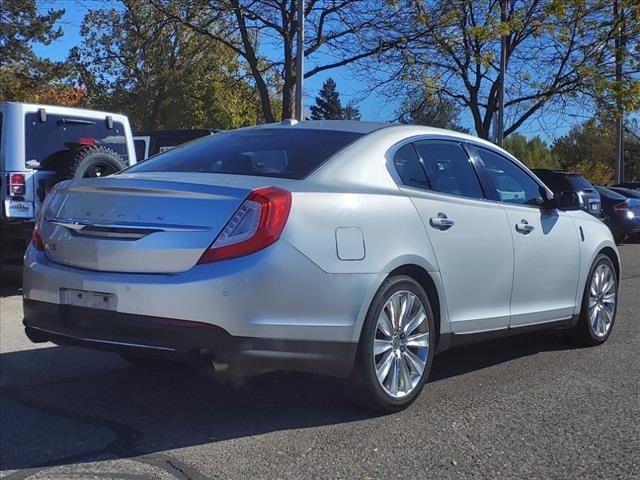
pixel 91 161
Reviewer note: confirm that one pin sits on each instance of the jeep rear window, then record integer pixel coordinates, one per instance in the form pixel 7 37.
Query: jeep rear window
pixel 51 140
pixel 265 152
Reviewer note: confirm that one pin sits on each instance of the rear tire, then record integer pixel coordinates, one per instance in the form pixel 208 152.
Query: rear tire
pixel 599 303
pixel 396 349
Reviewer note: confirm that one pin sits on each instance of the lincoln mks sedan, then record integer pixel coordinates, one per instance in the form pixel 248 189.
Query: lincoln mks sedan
pixel 351 249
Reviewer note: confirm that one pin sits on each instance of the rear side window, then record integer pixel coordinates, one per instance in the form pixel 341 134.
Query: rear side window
pixel 409 167
pixel 49 140
pixel 578 182
pixel 264 152
pixel 511 183
pixel 141 149
pixel 449 169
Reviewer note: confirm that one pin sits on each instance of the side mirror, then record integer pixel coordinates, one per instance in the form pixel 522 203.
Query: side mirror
pixel 549 201
pixel 569 201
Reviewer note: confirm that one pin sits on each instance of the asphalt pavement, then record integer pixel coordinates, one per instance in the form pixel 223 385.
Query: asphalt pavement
pixel 532 406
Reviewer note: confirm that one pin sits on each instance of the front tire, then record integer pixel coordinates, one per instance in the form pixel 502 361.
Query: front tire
pixel 599 303
pixel 397 345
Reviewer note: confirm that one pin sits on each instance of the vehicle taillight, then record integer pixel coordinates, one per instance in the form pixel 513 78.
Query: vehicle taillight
pixel 17 186
pixel 624 207
pixel 36 238
pixel 257 223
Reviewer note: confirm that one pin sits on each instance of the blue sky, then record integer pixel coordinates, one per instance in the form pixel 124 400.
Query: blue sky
pixel 373 106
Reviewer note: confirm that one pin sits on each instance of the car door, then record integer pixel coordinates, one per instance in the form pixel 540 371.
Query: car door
pixel 546 252
pixel 470 236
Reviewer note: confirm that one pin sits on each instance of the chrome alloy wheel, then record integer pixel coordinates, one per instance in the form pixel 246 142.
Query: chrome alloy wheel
pixel 401 344
pixel 602 300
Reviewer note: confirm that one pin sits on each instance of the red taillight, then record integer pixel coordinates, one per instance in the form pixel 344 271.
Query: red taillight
pixel 621 207
pixel 87 141
pixel 17 183
pixel 256 224
pixel 36 238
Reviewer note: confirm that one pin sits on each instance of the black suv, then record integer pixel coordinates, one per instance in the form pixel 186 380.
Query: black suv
pixel 571 189
pixel 151 142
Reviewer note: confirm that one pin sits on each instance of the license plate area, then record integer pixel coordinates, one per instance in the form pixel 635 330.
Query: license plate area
pixel 87 299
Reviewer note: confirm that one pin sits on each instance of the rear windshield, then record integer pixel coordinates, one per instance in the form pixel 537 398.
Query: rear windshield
pixel 264 152
pixel 563 181
pixel 58 134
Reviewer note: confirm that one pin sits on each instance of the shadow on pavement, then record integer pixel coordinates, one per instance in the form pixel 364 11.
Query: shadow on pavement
pixel 10 281
pixel 64 405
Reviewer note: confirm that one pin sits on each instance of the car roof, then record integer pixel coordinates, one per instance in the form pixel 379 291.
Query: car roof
pixel 554 171
pixel 354 126
pixel 61 110
pixel 365 128
pixel 603 190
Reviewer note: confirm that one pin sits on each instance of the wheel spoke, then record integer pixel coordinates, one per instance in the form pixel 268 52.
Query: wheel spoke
pixel 384 325
pixel 393 386
pixel 593 318
pixel 394 310
pixel 609 298
pixel 592 302
pixel 420 340
pixel 405 375
pixel 382 368
pixel 416 363
pixel 407 306
pixel 381 346
pixel 415 321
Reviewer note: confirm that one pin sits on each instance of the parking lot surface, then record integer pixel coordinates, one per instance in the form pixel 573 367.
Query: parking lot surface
pixel 532 406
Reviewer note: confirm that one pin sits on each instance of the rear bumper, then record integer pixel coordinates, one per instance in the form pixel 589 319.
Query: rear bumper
pixel 181 340
pixel 276 293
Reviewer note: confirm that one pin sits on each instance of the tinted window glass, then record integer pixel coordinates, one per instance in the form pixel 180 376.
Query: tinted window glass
pixel 511 183
pixel 449 169
pixel 409 167
pixel 141 147
pixel 578 182
pixel 47 141
pixel 264 152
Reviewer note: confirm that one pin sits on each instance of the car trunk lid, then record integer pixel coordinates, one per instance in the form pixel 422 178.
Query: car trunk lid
pixel 129 223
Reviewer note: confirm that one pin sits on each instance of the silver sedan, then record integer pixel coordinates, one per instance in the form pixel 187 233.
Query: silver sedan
pixel 352 249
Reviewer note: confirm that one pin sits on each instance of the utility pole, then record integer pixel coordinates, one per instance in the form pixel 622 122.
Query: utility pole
pixel 504 8
pixel 618 16
pixel 300 64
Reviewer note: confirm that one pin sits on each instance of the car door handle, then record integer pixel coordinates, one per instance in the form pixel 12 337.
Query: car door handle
pixel 524 227
pixel 441 222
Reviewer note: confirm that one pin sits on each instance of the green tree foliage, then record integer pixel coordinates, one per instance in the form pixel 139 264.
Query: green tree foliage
pixel 428 109
pixel 588 149
pixel 534 152
pixel 22 74
pixel 351 112
pixel 553 50
pixel 328 105
pixel 134 59
pixel 264 34
pixel 620 32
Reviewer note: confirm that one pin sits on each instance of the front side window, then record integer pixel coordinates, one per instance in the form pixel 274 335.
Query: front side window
pixel 49 140
pixel 449 169
pixel 409 168
pixel 511 183
pixel 264 152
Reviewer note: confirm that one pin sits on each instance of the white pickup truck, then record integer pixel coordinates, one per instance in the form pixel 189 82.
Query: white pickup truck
pixel 41 145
